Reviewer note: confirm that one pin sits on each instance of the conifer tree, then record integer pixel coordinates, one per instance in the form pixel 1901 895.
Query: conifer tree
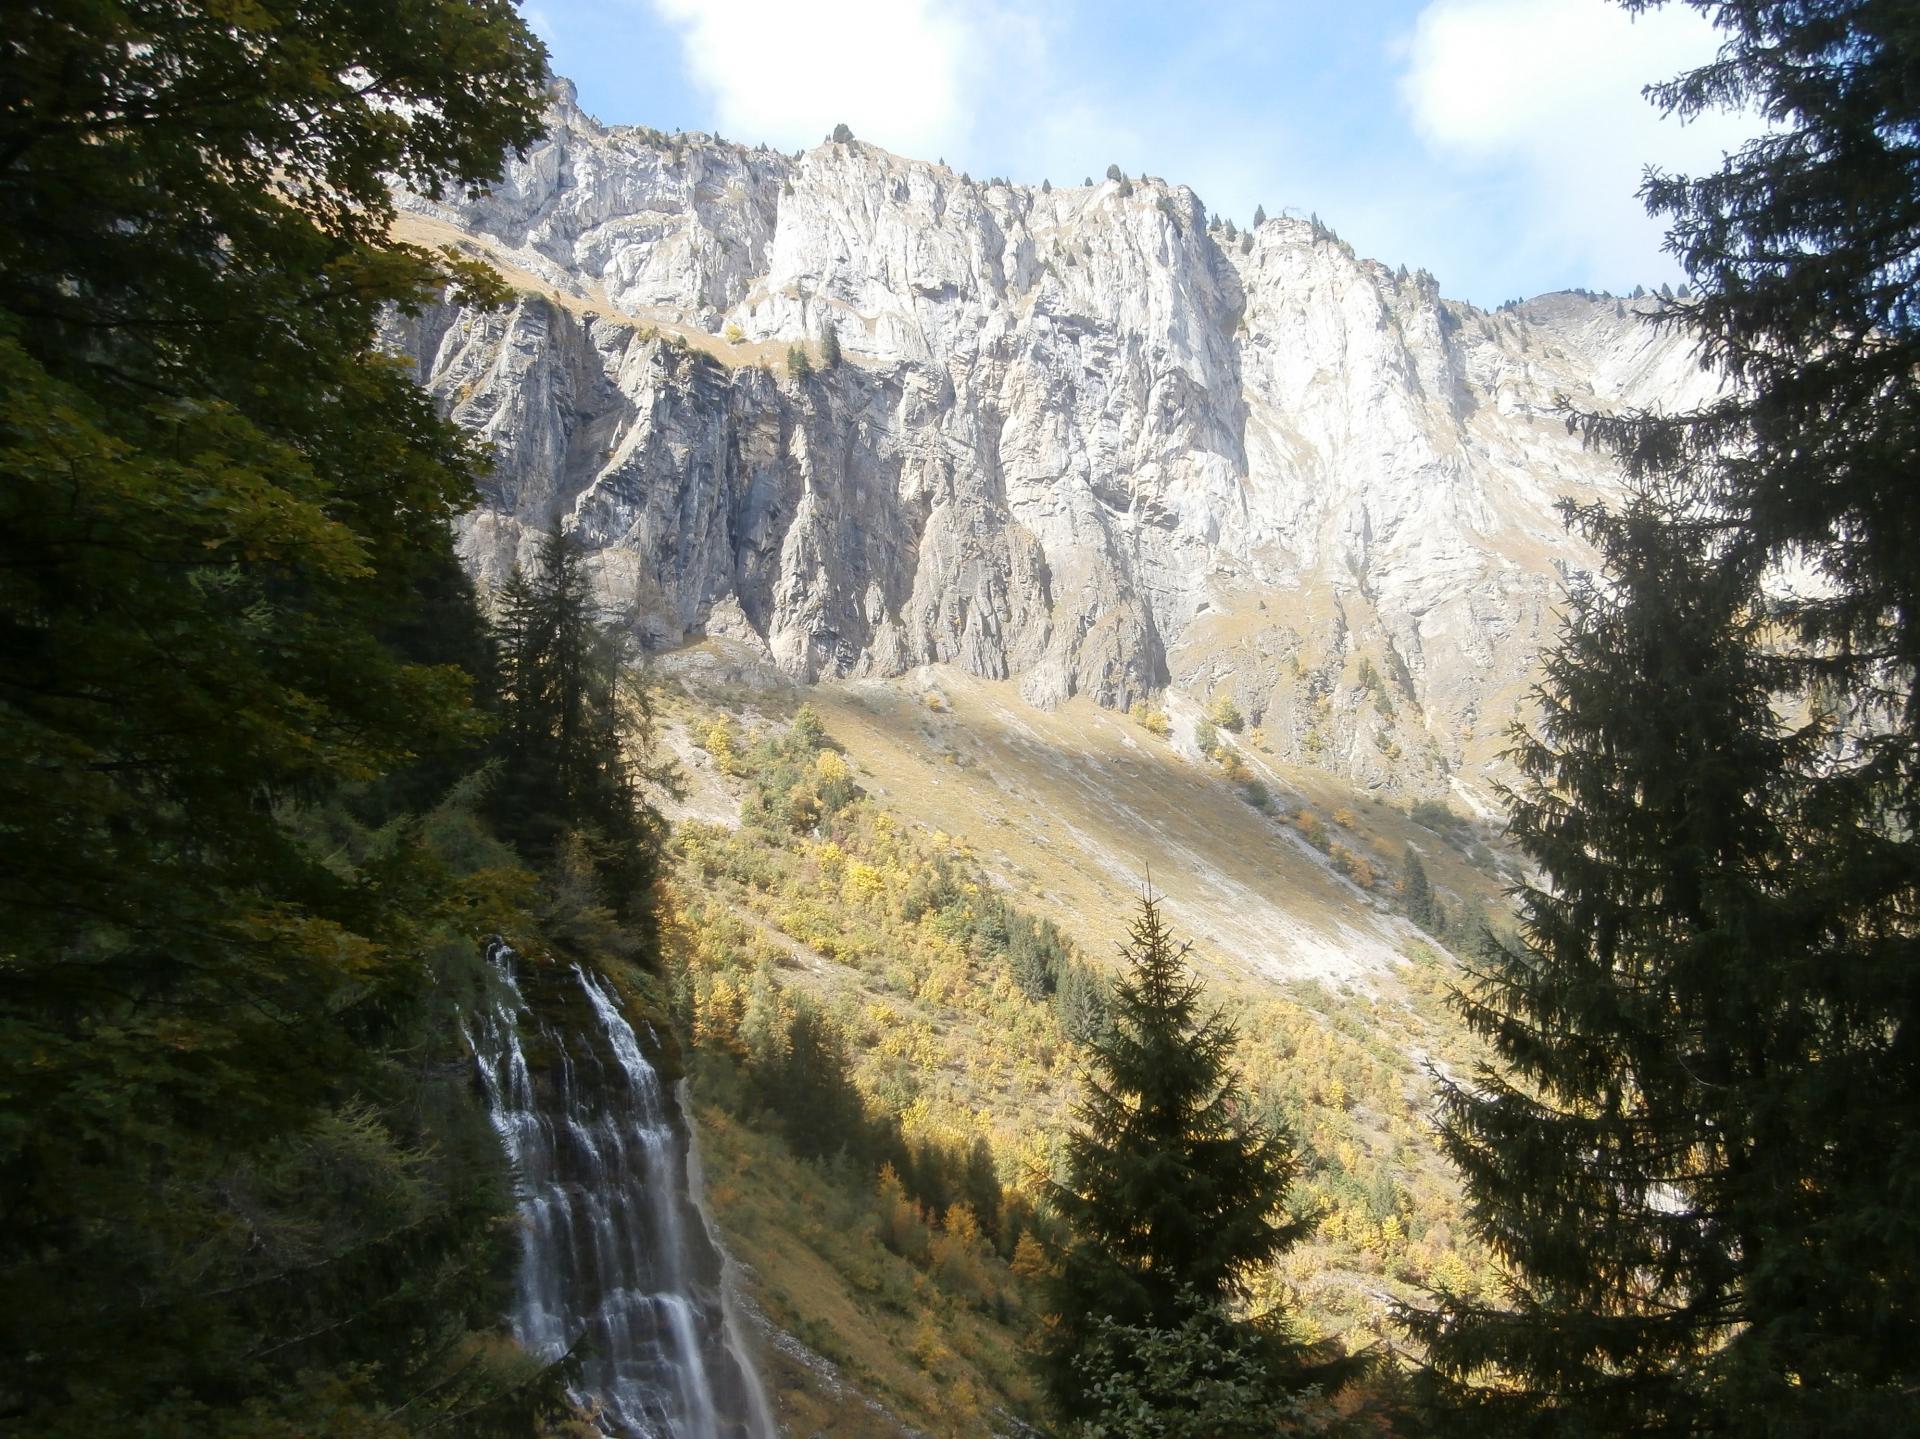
pixel 1173 1197
pixel 1800 255
pixel 573 726
pixel 1416 892
pixel 1080 1002
pixel 1787 1247
pixel 829 346
pixel 1625 1159
pixel 515 630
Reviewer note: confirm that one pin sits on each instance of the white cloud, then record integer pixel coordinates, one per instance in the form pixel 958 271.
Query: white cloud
pixel 788 71
pixel 542 22
pixel 1509 164
pixel 1545 94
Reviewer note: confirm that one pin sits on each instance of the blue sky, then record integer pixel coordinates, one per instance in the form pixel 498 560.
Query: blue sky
pixel 1496 143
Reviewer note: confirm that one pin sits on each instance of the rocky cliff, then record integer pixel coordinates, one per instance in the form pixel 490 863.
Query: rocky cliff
pixel 1079 437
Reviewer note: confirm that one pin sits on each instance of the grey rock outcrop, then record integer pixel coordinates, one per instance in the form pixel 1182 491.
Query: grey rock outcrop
pixel 1077 440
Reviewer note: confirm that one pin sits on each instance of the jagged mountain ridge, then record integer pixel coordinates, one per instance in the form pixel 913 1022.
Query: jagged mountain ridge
pixel 1080 440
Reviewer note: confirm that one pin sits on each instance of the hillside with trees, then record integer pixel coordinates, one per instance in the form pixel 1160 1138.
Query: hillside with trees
pixel 298 823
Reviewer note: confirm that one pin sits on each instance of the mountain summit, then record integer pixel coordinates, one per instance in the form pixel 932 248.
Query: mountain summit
pixel 865 413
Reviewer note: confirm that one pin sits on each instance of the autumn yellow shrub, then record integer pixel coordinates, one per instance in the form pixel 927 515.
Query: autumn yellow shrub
pixel 1225 714
pixel 1312 829
pixel 1153 721
pixel 957 1257
pixel 1356 867
pixel 901 1227
pixel 1030 1261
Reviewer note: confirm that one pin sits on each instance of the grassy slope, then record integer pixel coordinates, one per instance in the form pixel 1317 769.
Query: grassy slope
pixel 1340 1003
pixel 588 298
pixel 1074 810
pixel 871 1344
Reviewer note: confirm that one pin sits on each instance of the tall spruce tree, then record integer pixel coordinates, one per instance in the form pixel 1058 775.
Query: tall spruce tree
pixel 1801 253
pixel 1754 1251
pixel 1624 1159
pixel 574 727
pixel 1173 1197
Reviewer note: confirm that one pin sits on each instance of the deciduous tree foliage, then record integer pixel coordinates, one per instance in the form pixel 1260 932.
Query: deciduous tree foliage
pixel 1202 1380
pixel 229 1202
pixel 1711 1056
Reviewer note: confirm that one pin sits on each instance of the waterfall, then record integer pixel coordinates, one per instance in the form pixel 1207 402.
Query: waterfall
pixel 617 1260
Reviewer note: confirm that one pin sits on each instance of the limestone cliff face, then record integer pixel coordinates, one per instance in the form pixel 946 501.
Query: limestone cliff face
pixel 1078 439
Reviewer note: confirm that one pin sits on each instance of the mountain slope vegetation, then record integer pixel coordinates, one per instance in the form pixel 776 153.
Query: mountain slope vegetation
pixel 814 887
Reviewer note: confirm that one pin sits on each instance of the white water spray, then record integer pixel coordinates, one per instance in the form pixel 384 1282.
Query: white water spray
pixel 618 1262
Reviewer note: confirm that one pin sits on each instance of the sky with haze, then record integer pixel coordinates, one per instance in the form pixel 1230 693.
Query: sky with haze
pixel 1496 143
